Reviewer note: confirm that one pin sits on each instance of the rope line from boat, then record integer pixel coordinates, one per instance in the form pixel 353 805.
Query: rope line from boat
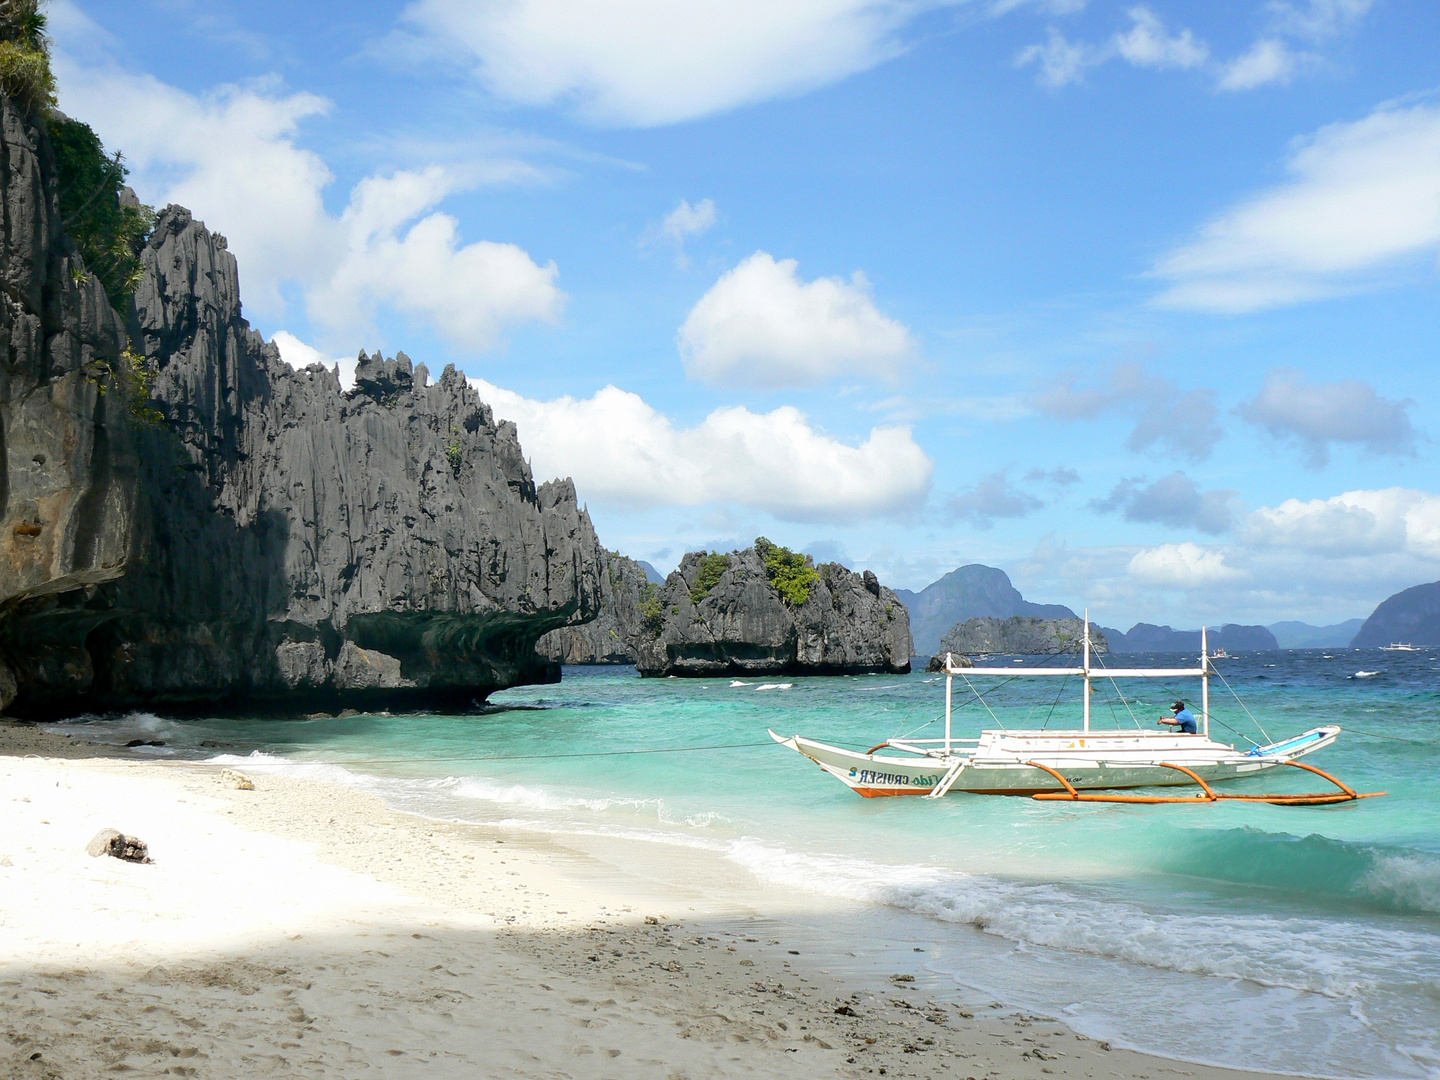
pixel 1121 695
pixel 983 702
pixel 489 757
pixel 1001 685
pixel 1110 704
pixel 1392 738
pixel 967 701
pixel 915 730
pixel 1045 726
pixel 1241 703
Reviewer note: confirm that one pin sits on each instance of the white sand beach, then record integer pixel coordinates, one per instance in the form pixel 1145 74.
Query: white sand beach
pixel 306 929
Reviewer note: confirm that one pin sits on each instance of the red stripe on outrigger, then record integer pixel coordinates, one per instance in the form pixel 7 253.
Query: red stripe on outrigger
pixel 880 792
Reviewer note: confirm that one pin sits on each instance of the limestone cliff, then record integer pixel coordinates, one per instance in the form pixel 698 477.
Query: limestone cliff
pixel 268 541
pixel 1020 635
pixel 613 636
pixel 740 623
pixel 67 469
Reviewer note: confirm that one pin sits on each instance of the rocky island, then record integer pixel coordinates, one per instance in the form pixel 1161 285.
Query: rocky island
pixel 1233 637
pixel 1020 635
pixel 769 610
pixel 187 523
pixel 1412 616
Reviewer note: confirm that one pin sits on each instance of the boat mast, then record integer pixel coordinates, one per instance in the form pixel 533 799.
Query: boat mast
pixel 1086 665
pixel 949 683
pixel 1205 681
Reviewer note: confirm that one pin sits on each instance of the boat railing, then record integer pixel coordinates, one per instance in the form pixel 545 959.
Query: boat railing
pixel 1088 673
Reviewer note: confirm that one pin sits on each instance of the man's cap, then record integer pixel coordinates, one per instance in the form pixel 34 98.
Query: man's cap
pixel 1178 706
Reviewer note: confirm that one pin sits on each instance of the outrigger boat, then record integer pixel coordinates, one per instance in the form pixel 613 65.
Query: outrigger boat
pixel 1081 764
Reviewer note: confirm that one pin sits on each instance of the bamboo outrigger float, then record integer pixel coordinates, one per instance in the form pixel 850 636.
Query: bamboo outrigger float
pixel 1076 765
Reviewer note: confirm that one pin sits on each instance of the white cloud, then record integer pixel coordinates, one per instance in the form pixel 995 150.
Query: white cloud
pixel 682 223
pixel 1363 197
pixel 686 220
pixel 232 157
pixel 1181 566
pixel 1182 421
pixel 762 326
pixel 1060 60
pixel 1389 521
pixel 1273 59
pixel 648 62
pixel 1147 44
pixel 619 449
pixel 1317 414
pixel 1321 560
pixel 467 292
pixel 1269 60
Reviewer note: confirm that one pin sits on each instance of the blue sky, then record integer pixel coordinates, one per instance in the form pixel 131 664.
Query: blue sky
pixel 1136 301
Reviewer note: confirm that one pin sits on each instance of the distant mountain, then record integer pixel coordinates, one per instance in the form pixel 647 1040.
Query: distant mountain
pixel 656 578
pixel 1412 615
pixel 971 592
pixel 1299 635
pixel 1147 637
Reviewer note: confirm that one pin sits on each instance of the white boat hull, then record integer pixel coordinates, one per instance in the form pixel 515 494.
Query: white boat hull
pixel 1001 763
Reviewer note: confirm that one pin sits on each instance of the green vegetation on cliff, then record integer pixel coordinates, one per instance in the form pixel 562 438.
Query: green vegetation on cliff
pixel 792 573
pixel 108 229
pixel 652 611
pixel 25 54
pixel 712 569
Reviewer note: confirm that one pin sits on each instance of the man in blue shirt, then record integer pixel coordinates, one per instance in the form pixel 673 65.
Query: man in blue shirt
pixel 1184 719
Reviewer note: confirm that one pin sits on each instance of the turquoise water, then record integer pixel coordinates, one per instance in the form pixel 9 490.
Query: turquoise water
pixel 1299 939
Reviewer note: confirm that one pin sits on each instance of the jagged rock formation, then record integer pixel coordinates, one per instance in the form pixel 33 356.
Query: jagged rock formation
pixel 969 592
pixel 66 483
pixel 1232 637
pixel 1021 635
pixel 1412 616
pixel 270 542
pixel 848 624
pixel 613 637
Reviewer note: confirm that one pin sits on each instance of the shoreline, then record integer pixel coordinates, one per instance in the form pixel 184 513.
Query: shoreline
pixel 305 927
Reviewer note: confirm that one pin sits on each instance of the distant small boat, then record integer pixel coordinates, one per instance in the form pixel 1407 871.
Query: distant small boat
pixel 1220 654
pixel 1399 646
